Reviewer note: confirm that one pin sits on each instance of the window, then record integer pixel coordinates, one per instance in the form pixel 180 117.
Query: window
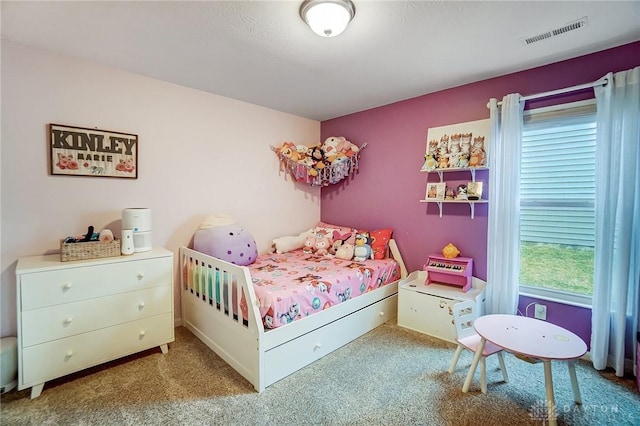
pixel 557 197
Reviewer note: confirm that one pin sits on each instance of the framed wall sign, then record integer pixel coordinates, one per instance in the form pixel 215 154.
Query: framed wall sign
pixel 77 151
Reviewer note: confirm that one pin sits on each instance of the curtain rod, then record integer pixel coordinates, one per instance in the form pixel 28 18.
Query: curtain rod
pixel 601 82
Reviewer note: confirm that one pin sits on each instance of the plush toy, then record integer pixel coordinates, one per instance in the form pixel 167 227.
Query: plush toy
pixel 289 243
pixel 290 151
pixel 450 251
pixel 323 243
pixel 317 156
pixel 220 236
pixel 362 250
pixel 345 251
pixel 330 148
pixel 310 243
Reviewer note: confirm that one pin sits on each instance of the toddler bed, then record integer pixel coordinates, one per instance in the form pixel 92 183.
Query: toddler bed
pixel 270 319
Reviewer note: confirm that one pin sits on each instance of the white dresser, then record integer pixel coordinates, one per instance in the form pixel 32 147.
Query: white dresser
pixel 74 315
pixel 429 308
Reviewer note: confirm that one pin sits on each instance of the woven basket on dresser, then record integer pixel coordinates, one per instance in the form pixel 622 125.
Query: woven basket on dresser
pixel 88 250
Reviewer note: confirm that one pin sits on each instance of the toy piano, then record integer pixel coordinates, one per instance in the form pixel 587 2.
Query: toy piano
pixel 454 271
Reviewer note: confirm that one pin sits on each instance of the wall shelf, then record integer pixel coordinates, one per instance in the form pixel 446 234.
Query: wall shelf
pixel 471 170
pixel 472 204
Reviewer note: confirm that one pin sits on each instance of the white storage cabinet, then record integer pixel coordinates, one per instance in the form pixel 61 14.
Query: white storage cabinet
pixel 428 309
pixel 74 315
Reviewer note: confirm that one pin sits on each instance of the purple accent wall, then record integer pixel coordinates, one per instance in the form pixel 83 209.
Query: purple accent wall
pixel 388 186
pixel 574 318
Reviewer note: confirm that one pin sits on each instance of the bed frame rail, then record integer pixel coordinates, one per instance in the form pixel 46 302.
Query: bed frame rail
pixel 212 308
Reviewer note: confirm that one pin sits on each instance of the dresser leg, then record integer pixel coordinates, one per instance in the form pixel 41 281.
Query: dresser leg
pixel 36 390
pixel 164 348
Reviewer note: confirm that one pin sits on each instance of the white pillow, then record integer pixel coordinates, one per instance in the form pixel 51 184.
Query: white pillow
pixel 290 242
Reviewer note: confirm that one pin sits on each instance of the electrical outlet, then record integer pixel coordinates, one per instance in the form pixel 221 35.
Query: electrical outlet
pixel 540 312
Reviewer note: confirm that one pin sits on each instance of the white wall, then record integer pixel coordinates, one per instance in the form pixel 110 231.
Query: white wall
pixel 198 154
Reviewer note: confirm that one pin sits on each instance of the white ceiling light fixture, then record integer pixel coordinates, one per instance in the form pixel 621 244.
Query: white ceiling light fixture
pixel 327 18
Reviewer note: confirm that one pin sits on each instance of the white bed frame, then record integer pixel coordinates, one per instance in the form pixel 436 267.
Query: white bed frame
pixel 264 357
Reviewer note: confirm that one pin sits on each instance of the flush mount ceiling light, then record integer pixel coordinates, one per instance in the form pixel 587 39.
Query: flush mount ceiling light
pixel 327 18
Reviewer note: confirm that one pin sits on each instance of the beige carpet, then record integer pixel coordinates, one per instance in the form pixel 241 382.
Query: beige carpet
pixel 390 376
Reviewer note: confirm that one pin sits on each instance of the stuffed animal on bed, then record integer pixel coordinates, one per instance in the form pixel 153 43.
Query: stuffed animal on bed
pixel 323 243
pixel 310 243
pixel 345 251
pixel 291 242
pixel 220 236
pixel 362 250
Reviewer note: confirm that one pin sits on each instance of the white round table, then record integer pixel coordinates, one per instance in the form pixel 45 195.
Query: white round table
pixel 534 340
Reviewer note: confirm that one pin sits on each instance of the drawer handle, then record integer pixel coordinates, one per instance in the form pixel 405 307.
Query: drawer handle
pixel 140 275
pixel 317 346
pixel 141 305
pixel 67 286
pixel 69 354
pixel 381 313
pixel 67 321
pixel 142 333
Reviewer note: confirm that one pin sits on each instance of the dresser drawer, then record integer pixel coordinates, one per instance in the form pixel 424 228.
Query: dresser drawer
pixel 59 357
pixel 59 321
pixel 41 289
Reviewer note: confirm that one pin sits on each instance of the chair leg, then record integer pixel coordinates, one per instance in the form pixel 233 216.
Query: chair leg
pixel 483 375
pixel 574 381
pixel 505 376
pixel 454 361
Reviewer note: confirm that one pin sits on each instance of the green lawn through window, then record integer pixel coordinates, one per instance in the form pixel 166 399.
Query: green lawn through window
pixel 557 267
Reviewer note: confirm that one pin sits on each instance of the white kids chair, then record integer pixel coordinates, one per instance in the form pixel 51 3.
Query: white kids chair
pixel 464 314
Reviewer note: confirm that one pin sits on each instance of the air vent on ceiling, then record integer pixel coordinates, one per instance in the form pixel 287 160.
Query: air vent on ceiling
pixel 571 26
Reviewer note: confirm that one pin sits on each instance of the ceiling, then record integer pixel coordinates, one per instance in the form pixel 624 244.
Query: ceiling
pixel 263 53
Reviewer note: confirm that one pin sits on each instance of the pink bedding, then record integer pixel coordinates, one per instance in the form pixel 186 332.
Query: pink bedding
pixel 294 285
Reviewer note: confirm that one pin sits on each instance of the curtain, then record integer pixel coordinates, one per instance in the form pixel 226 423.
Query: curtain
pixel 616 293
pixel 503 240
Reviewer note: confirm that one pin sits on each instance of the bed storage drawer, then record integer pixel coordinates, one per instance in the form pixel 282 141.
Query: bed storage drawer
pixel 295 354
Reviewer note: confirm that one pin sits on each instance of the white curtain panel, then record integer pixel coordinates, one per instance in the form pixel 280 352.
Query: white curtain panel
pixel 616 293
pixel 503 245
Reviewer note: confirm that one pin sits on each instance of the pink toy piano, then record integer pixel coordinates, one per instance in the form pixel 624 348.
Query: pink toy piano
pixel 453 271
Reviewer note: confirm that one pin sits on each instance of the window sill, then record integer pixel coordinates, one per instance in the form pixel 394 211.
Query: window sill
pixel 556 296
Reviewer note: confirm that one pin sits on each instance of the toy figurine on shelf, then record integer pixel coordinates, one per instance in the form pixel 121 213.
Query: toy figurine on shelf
pixel 449 194
pixel 462 192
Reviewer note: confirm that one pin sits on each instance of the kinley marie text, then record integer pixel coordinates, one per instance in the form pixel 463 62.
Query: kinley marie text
pixel 99 148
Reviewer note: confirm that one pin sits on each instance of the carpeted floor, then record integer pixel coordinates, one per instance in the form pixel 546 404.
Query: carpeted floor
pixel 390 376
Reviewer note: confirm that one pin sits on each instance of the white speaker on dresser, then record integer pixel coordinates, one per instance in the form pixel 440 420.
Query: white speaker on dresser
pixel 139 221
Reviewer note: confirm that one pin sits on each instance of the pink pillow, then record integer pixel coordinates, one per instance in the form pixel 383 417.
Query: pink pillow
pixel 343 233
